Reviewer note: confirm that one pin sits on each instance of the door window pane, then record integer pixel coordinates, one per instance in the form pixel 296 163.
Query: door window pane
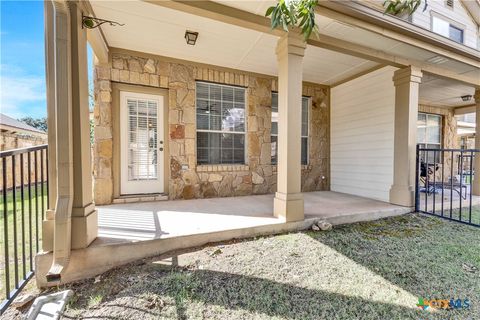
pixel 142 139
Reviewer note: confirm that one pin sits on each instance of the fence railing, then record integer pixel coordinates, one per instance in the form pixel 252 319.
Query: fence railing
pixel 24 199
pixel 444 184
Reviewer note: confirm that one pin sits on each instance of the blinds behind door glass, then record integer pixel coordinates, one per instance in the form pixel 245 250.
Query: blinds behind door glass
pixel 142 139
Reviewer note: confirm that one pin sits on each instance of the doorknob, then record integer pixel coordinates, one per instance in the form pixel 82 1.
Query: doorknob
pixel 161 149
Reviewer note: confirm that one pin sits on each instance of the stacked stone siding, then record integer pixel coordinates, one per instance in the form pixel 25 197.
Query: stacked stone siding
pixel 449 135
pixel 187 179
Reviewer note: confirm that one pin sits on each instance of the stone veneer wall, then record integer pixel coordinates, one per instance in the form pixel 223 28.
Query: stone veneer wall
pixel 257 176
pixel 449 133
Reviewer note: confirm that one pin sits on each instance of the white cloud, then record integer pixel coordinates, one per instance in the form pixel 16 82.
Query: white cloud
pixel 19 94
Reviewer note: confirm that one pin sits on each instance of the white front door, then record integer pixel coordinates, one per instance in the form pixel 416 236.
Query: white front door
pixel 141 143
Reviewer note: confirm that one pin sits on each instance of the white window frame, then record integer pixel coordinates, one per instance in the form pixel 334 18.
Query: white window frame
pixel 301 136
pixel 244 133
pixel 425 142
pixel 452 23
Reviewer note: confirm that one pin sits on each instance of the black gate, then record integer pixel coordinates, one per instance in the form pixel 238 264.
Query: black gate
pixel 444 184
pixel 23 201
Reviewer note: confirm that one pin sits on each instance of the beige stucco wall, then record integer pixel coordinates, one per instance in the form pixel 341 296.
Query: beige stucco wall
pixel 186 179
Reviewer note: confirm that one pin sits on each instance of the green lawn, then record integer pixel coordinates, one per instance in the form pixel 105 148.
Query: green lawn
pixel 375 270
pixel 464 214
pixel 25 221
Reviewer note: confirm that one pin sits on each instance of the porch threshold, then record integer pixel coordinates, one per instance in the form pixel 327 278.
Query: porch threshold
pixel 132 231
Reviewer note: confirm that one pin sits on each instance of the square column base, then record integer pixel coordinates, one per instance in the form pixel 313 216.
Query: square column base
pixel 288 207
pixel 402 196
pixel 84 230
pixel 48 228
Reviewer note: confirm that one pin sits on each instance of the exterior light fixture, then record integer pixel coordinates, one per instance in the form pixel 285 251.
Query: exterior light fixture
pixel 191 37
pixel 467 97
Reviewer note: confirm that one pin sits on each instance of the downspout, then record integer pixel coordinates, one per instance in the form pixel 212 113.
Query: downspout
pixel 63 104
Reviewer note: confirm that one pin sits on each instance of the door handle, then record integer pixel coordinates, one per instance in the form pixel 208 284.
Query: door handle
pixel 161 149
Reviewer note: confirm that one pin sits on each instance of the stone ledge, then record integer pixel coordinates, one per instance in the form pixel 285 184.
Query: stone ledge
pixel 304 167
pixel 223 167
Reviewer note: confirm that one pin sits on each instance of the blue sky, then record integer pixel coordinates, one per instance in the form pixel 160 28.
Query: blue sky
pixel 22 59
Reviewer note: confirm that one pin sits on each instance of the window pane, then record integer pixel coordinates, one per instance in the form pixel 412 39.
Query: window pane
pixel 215 123
pixel 202 122
pixel 274 149
pixel 220 113
pixel 239 95
pixel 421 127
pixel 227 141
pixel 227 155
pixel 274 102
pixel 304 150
pixel 215 108
pixel 239 156
pixel 305 102
pixel 274 130
pixel 456 34
pixel 227 94
pixel 440 26
pixel 215 93
pixel 433 129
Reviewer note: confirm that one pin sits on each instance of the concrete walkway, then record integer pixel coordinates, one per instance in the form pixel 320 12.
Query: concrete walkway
pixel 166 219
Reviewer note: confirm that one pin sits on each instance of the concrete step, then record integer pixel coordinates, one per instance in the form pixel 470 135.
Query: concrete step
pixel 141 198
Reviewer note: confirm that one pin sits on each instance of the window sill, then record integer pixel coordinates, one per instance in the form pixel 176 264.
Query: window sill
pixel 222 167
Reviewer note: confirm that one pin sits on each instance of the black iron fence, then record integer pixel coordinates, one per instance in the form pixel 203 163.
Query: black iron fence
pixel 24 199
pixel 444 184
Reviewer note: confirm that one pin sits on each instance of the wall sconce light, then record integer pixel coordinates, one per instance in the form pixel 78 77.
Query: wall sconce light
pixel 191 37
pixel 467 97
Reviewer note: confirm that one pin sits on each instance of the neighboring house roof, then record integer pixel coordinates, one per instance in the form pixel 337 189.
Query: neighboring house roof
pixel 6 121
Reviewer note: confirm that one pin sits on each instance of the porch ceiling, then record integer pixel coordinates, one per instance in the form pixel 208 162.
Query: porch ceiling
pixel 441 92
pixel 157 30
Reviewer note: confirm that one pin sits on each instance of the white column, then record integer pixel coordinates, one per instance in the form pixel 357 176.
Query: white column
pixel 288 202
pixel 407 83
pixel 84 215
pixel 476 179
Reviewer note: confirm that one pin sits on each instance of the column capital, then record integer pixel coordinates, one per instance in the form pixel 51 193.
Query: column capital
pixel 408 74
pixel 291 43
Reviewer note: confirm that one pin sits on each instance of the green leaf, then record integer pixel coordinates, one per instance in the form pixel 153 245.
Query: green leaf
pixel 269 11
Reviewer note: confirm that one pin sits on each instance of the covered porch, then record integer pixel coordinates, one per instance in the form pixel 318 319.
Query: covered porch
pixel 82 238
pixel 168 219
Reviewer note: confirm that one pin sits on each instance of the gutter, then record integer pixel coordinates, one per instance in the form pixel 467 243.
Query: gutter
pixel 63 105
pixel 362 12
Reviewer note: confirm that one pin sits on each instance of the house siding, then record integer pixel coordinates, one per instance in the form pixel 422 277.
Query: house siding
pixel 188 180
pixel 458 14
pixel 362 120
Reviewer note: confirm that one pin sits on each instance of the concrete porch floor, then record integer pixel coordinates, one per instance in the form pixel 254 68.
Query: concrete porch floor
pixel 132 231
pixel 166 219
